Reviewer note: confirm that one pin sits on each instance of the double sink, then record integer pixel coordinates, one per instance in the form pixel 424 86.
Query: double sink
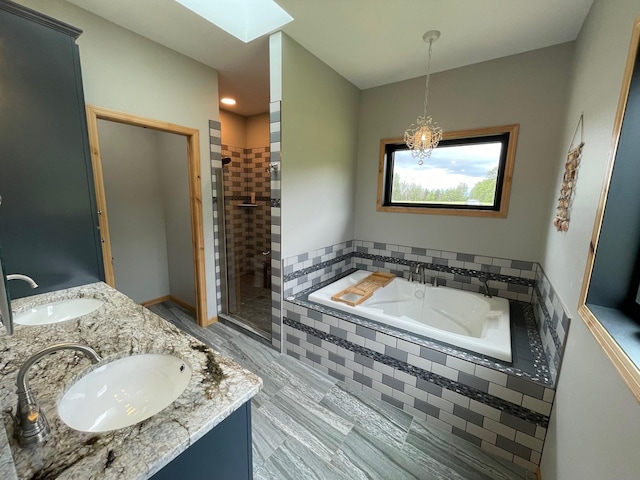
pixel 115 394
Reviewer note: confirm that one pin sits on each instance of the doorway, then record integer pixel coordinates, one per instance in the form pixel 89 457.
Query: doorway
pixel 246 220
pixel 153 210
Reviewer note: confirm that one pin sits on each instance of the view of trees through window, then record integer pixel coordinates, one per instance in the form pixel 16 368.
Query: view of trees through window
pixel 454 175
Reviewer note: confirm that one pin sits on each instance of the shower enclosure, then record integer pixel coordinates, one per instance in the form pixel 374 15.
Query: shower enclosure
pixel 247 237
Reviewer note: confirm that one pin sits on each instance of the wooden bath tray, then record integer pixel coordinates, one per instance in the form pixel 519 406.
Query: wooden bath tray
pixel 364 288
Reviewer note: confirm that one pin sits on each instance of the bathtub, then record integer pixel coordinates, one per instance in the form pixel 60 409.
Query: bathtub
pixel 463 319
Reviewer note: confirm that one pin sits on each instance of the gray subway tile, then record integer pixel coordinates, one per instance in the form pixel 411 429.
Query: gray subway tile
pixel 338 332
pixel 365 332
pixel 513 447
pixel 429 387
pixel 336 358
pixel 473 417
pixel 518 423
pixel 426 408
pixel 465 257
pixel 466 436
pixel 362 360
pixel 393 382
pixel 363 379
pixel 525 386
pixel 393 401
pixel 314 357
pixel 520 265
pixel 396 353
pixel 313 340
pixel 432 355
pixel 473 381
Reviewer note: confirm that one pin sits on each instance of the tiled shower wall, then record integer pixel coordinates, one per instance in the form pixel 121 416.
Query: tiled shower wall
pixel 247 228
pixel 215 157
pixel 498 410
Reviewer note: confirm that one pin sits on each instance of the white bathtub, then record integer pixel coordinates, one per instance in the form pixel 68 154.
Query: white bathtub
pixel 464 319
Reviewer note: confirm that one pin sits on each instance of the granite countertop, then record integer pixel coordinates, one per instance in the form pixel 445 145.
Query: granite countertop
pixel 118 328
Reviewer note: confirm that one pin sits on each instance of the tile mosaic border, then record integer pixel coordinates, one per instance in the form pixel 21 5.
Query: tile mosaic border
pixel 461 388
pixel 445 390
pixel 553 321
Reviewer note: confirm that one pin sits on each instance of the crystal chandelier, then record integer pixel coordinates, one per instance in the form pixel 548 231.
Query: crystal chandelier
pixel 423 136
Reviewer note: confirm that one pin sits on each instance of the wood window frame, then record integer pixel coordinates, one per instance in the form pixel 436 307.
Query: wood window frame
pixel 457 210
pixel 626 367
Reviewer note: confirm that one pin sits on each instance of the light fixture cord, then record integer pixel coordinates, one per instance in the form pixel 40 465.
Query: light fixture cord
pixel 426 86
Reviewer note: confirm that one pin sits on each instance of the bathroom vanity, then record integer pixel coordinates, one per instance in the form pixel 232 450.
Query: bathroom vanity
pixel 204 433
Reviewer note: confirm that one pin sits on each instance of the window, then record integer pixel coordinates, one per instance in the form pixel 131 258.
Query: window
pixel 469 173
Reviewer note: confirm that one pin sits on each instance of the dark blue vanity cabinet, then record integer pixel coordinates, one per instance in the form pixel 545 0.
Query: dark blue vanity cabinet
pixel 224 453
pixel 48 216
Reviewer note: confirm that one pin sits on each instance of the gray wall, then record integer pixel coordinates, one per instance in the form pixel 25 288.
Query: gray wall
pixel 319 128
pixel 127 72
pixel 174 179
pixel 529 89
pixel 595 424
pixel 147 190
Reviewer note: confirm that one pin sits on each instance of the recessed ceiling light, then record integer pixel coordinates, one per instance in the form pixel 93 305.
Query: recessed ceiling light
pixel 228 101
pixel 244 19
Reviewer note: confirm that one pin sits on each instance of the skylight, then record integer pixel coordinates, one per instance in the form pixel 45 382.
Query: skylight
pixel 244 19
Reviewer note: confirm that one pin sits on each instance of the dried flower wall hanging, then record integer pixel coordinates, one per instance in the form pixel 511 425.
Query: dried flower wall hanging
pixel 569 178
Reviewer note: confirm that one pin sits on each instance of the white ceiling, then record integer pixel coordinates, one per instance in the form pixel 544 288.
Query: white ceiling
pixel 369 42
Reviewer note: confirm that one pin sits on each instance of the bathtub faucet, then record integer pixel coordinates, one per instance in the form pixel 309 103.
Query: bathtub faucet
pixel 485 282
pixel 417 275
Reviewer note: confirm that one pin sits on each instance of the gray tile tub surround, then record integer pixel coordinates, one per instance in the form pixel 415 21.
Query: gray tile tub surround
pixel 512 279
pixel 501 413
pixel 529 359
pixel 553 321
pixel 119 328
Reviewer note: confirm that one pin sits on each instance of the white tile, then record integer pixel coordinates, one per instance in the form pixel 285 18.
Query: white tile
pixel 451 419
pixel 548 395
pixel 499 428
pixel 415 392
pixel 403 397
pixel 484 410
pixel 529 441
pixel 506 394
pixel 356 367
pixel 455 398
pixel 536 457
pixel 536 405
pixel 419 362
pixel 344 371
pixel 414 412
pixel 541 432
pixel 482 433
pixel 491 375
pixel 405 377
pixel 373 345
pixel 461 365
pixel 441 403
pixel 447 372
pixel 386 339
pixel 382 368
pixel 382 388
pixel 372 373
pixel 409 347
pixel 501 262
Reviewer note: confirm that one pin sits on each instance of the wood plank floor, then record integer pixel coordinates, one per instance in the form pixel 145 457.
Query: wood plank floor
pixel 307 425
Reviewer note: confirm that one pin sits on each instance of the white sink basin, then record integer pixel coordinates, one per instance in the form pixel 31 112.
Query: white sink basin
pixel 57 311
pixel 124 392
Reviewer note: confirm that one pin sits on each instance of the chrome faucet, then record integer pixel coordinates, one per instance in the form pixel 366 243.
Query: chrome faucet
pixel 435 281
pixel 24 278
pixel 31 426
pixel 417 274
pixel 6 315
pixel 485 283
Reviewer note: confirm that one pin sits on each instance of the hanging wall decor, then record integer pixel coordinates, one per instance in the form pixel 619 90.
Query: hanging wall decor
pixel 561 222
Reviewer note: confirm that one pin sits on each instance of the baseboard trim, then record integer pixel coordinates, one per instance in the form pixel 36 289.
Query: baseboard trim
pixel 175 300
pixel 155 301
